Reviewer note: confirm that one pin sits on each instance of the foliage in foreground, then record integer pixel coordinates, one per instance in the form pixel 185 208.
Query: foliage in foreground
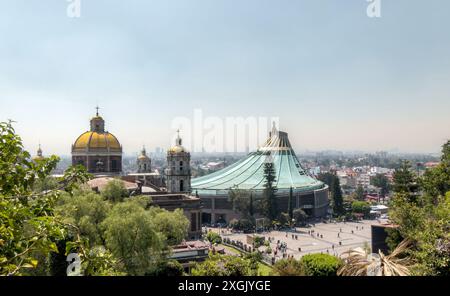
pixel 308 265
pixel 225 265
pixel 421 209
pixel 320 264
pixel 360 263
pixel 43 219
pixel 28 226
pixel 213 237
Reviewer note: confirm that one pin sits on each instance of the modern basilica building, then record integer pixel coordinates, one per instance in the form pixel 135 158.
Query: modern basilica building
pixel 310 194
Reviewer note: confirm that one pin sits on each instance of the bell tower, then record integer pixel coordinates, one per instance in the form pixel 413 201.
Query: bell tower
pixel 144 162
pixel 178 172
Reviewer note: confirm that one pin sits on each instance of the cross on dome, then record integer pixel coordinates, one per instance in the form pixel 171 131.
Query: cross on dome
pixel 178 141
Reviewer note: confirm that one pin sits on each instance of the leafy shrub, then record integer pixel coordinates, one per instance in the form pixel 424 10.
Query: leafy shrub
pixel 167 268
pixel 258 241
pixel 361 207
pixel 287 267
pixel 213 237
pixel 224 265
pixel 320 265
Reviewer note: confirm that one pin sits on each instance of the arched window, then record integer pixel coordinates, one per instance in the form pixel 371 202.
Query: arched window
pixel 181 185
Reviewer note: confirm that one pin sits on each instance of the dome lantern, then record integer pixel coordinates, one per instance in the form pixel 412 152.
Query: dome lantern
pixel 97 123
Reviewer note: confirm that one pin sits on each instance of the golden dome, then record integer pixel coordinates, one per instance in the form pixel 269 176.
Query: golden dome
pixel 177 149
pixel 95 140
pixel 38 155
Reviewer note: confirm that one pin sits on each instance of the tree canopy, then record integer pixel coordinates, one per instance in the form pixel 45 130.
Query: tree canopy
pixel 421 209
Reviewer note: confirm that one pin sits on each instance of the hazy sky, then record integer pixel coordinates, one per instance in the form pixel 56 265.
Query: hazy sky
pixel 336 78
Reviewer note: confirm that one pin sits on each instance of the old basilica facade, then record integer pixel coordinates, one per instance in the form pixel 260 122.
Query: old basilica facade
pixel 100 152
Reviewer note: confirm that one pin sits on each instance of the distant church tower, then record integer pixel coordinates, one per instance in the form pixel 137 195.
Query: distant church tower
pixel 39 155
pixel 178 172
pixel 144 162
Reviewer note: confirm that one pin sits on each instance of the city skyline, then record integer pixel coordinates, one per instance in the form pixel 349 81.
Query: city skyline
pixel 336 79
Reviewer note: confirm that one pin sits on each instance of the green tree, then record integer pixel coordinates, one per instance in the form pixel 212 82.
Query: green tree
pixel 290 210
pixel 131 236
pixel 224 265
pixel 251 207
pixel 405 181
pixel 288 267
pixel 213 237
pixel 320 265
pixel 270 205
pixel 334 186
pixel 173 225
pixel 47 183
pixel 422 211
pixel 87 210
pixel 284 219
pixel 361 207
pixel 327 178
pixel 436 181
pixel 337 199
pixel 242 201
pixel 382 182
pixel 359 194
pixel 300 216
pixel 29 229
pixel 166 268
pixel 115 191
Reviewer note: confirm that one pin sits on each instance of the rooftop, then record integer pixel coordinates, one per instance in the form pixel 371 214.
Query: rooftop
pixel 248 173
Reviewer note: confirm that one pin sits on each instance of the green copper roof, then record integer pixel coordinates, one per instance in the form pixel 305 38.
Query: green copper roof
pixel 248 173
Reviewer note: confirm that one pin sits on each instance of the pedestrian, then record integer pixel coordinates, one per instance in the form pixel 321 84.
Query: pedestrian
pixel 321 236
pixel 338 235
pixel 332 246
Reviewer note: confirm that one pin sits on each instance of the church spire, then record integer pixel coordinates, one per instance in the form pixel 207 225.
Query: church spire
pixel 178 140
pixel 39 151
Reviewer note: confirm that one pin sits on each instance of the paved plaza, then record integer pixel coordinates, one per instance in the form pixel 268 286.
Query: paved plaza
pixel 331 238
